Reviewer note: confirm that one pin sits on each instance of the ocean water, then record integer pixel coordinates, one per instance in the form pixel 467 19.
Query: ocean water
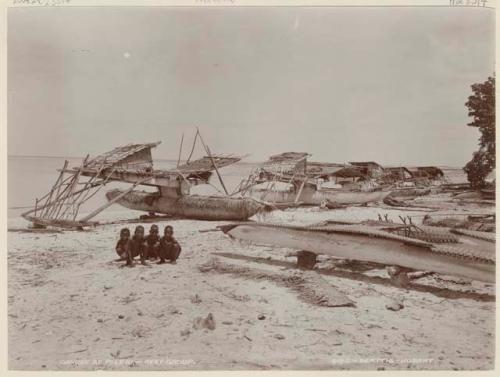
pixel 32 177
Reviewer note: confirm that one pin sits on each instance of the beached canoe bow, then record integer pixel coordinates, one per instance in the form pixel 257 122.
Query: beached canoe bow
pixel 197 207
pixel 471 257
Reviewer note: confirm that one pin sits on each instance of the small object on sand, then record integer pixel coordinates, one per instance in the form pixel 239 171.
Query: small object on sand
pixel 306 259
pixel 172 310
pixel 100 320
pixel 185 332
pixel 205 323
pixel 261 317
pixel 328 204
pixel 319 291
pixel 395 305
pixel 121 316
pixel 227 322
pixel 204 268
pixel 141 332
pixel 195 299
pixel 279 336
pixel 76 349
pixel 399 275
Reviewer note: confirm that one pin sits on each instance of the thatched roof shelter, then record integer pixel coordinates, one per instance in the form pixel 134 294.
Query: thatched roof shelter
pixel 322 169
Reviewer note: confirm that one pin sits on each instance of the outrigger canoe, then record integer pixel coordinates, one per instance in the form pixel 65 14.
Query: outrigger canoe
pixel 133 164
pixel 472 257
pixel 195 207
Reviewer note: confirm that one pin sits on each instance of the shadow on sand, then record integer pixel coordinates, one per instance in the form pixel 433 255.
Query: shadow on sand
pixel 353 271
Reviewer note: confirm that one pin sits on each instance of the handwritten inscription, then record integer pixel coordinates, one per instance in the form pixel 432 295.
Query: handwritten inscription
pixel 468 3
pixel 42 3
pixel 214 1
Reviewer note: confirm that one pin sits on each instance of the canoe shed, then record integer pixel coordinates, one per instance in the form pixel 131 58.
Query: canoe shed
pixel 287 163
pixel 369 168
pixel 323 170
pixel 134 157
pixel 203 167
pixel 350 174
pixel 398 174
pixel 432 172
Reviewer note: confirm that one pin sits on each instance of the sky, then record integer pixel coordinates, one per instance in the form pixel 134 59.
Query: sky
pixel 342 83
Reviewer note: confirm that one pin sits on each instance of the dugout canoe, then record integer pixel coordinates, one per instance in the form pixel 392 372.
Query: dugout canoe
pixel 340 196
pixel 195 207
pixel 471 257
pixel 316 197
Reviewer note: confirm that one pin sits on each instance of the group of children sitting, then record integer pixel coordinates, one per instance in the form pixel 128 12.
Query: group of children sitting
pixel 148 247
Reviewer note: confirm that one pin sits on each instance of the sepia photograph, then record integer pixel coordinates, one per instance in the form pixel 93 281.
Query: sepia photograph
pixel 220 186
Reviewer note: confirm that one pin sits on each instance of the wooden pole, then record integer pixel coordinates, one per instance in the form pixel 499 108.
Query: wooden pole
pixel 54 211
pixel 213 163
pixel 57 200
pixel 49 198
pixel 217 171
pixel 180 151
pixel 90 183
pixel 194 144
pixel 72 187
pixel 101 184
pixel 103 207
pixel 300 191
pixel 76 201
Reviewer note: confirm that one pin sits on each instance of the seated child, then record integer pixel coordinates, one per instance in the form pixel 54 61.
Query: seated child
pixel 136 246
pixel 121 245
pixel 169 247
pixel 152 242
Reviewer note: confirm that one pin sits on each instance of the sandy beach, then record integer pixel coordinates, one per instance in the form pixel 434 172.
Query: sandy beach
pixel 71 307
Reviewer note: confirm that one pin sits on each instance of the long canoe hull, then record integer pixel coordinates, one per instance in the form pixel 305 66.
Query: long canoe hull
pixel 470 260
pixel 410 192
pixel 310 197
pixel 190 206
pixel 348 197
